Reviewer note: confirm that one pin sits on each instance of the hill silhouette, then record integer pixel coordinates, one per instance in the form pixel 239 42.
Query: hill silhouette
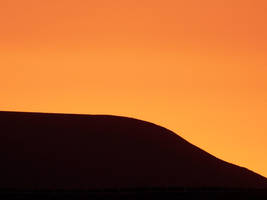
pixel 69 151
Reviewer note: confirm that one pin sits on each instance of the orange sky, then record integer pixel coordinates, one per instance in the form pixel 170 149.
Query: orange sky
pixel 196 67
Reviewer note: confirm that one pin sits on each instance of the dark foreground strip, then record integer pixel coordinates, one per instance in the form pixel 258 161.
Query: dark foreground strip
pixel 138 193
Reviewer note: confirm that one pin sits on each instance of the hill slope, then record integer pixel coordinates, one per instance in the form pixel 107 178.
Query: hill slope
pixel 66 151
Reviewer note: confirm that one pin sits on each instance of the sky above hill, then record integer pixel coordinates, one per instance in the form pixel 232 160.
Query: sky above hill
pixel 196 67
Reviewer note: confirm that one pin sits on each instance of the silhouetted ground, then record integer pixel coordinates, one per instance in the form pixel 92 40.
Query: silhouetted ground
pixel 138 193
pixel 67 156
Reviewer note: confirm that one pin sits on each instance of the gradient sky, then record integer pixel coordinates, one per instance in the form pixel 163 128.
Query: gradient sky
pixel 196 67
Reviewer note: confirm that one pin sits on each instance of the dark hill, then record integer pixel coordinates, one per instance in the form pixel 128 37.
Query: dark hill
pixel 67 151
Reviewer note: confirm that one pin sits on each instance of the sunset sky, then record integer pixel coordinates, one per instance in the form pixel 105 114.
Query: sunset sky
pixel 196 67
